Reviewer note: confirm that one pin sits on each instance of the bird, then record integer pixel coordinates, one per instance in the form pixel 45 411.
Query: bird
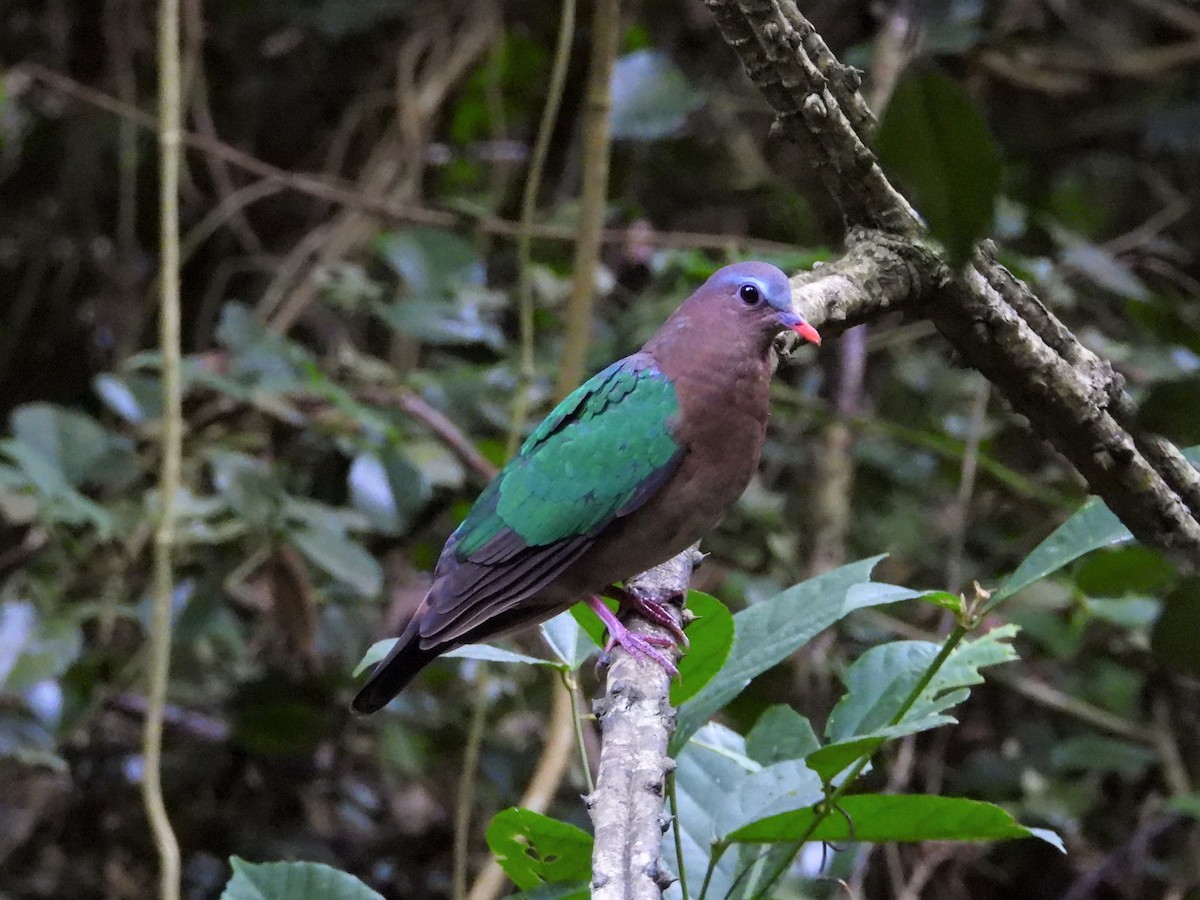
pixel 630 469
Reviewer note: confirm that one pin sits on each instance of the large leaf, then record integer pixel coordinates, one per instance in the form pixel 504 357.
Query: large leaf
pixel 935 140
pixel 432 261
pixel 1091 527
pixel 768 632
pixel 895 817
pixel 293 881
pixel 719 789
pixel 651 97
pixel 534 849
pixel 74 443
pixel 57 500
pixel 340 557
pixel 710 636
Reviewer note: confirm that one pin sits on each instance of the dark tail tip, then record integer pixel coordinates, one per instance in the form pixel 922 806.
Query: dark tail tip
pixel 392 675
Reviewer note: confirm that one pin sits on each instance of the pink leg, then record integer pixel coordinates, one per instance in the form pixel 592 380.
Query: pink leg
pixel 649 608
pixel 638 646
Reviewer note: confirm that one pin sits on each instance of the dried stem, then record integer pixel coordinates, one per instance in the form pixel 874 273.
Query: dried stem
pixel 172 440
pixel 606 33
pixel 533 182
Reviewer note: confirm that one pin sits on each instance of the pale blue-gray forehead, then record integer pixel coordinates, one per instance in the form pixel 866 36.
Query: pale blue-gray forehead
pixel 769 279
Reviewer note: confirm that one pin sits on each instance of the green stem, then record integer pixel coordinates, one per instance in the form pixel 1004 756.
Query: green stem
pixel 568 680
pixel 466 783
pixel 170 476
pixel 830 803
pixel 674 801
pixel 593 195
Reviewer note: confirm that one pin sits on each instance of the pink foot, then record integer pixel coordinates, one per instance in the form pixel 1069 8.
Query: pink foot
pixel 649 608
pixel 637 645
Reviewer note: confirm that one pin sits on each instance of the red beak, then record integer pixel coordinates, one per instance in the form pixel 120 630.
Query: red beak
pixel 807 332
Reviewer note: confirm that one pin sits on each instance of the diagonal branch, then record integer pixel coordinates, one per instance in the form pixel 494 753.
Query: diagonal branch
pixel 1070 396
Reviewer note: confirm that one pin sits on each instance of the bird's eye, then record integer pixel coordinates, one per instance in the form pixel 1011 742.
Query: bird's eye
pixel 750 294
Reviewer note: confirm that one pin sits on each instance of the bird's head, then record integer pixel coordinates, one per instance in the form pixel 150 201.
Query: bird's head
pixel 760 297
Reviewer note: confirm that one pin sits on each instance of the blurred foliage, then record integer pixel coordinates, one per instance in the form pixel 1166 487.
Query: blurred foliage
pixel 319 490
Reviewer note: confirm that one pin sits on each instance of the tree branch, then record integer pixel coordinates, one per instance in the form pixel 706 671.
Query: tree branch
pixel 1070 396
pixel 637 720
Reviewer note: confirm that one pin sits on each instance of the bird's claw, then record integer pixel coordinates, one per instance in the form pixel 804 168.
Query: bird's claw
pixel 651 609
pixel 639 646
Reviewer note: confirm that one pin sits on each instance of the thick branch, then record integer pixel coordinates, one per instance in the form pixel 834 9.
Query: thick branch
pixel 637 719
pixel 1070 396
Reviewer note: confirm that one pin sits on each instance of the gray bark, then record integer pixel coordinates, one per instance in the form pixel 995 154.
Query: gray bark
pixel 637 720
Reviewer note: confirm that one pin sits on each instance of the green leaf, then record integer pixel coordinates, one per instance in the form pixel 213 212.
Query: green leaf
pixel 880 818
pixel 1175 639
pixel 340 557
pixel 881 680
pixel 441 323
pixel 1187 805
pixel 76 444
pixel 768 632
pixel 1096 753
pixel 936 142
pixel 58 501
pixel 1134 569
pixel 432 261
pixel 651 97
pixel 488 653
pixel 534 849
pixel 780 733
pixel 577 890
pixel 293 881
pixel 835 758
pixel 1091 527
pixel 719 789
pixel 710 636
pixel 945 600
pixel 569 641
pixel 484 652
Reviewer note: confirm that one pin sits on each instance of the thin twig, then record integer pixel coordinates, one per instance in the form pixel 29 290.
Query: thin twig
pixel 343 193
pixel 547 777
pixel 960 511
pixel 593 199
pixel 533 183
pixel 172 449
pixel 411 404
pixel 466 783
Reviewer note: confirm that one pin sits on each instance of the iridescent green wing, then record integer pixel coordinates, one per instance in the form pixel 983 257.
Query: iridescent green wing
pixel 598 456
pixel 595 457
